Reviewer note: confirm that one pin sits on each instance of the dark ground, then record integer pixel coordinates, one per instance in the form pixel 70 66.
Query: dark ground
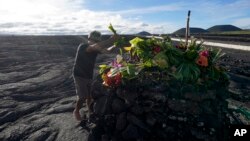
pixel 37 90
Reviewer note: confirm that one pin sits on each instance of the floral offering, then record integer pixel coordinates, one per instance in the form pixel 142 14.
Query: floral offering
pixel 166 62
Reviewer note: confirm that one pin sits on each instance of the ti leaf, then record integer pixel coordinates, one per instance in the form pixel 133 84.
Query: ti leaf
pixel 111 28
pixel 131 69
pixel 134 42
pixel 120 42
pixel 187 71
pixel 217 56
pixel 103 68
pixel 161 60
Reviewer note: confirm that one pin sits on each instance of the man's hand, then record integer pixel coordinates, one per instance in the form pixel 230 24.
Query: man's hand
pixel 104 46
pixel 107 50
pixel 95 48
pixel 115 37
pixel 98 48
pixel 111 48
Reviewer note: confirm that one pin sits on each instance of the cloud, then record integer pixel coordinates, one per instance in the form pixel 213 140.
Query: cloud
pixel 69 17
pixel 152 9
pixel 243 23
pixel 221 11
pixel 73 17
pixel 18 24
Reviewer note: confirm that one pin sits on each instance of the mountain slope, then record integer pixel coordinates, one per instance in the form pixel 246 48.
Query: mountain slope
pixel 223 28
pixel 193 30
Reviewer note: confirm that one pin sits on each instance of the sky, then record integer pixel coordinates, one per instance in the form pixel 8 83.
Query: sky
pixel 78 17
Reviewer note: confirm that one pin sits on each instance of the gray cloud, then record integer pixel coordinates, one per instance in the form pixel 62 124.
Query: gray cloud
pixel 17 24
pixel 144 24
pixel 97 26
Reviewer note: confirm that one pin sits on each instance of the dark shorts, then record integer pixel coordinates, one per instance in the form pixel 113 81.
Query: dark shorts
pixel 82 86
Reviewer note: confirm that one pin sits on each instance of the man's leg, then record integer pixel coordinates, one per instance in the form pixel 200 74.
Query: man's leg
pixel 89 101
pixel 78 106
pixel 83 92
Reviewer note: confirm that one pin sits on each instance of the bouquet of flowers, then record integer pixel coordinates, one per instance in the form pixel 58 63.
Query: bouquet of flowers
pixel 161 61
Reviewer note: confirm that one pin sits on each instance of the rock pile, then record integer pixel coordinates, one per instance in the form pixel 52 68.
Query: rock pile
pixel 156 114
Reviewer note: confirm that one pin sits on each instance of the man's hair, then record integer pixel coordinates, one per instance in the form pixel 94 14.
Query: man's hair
pixel 95 36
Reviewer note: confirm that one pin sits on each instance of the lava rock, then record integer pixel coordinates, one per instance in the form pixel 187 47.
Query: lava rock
pixel 131 132
pixel 134 120
pixel 8 117
pixel 101 105
pixel 150 120
pixel 97 90
pixel 105 137
pixel 121 121
pixel 137 110
pixel 40 135
pixel 118 106
pixel 184 106
pixel 199 97
pixel 127 96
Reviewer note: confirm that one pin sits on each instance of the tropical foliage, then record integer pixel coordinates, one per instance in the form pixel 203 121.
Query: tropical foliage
pixel 157 61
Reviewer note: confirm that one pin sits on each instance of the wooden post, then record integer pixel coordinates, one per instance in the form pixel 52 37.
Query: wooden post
pixel 187 29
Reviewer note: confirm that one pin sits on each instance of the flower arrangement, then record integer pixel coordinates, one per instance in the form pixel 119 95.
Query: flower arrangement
pixel 159 61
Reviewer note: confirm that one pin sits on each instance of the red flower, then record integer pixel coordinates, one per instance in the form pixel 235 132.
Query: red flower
pixel 156 49
pixel 118 79
pixel 112 81
pixel 202 61
pixel 106 79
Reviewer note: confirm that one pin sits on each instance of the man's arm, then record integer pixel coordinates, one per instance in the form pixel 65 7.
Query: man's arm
pixel 102 46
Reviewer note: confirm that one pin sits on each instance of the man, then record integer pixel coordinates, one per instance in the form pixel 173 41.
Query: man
pixel 84 67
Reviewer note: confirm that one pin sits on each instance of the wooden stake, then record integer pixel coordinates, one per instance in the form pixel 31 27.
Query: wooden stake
pixel 187 29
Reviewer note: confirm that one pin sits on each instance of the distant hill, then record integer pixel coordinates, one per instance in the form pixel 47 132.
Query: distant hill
pixel 144 33
pixel 193 30
pixel 223 28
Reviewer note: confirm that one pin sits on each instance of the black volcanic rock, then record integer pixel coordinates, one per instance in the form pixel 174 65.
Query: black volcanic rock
pixel 193 30
pixel 38 94
pixel 223 28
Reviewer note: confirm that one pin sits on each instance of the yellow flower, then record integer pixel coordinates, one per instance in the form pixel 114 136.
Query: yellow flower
pixel 127 48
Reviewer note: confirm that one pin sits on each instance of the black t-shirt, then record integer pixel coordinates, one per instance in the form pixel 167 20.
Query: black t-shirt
pixel 84 62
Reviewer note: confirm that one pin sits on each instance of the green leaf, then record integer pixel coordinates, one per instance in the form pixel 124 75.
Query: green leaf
pixel 103 68
pixel 161 60
pixel 134 42
pixel 174 56
pixel 120 42
pixel 148 63
pixel 191 55
pixel 194 45
pixel 187 71
pixel 131 69
pixel 111 28
pixel 166 38
pixel 114 71
pixel 218 55
pixel 121 51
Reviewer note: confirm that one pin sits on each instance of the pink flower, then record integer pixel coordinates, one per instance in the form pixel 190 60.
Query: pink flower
pixel 115 64
pixel 156 49
pixel 204 53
